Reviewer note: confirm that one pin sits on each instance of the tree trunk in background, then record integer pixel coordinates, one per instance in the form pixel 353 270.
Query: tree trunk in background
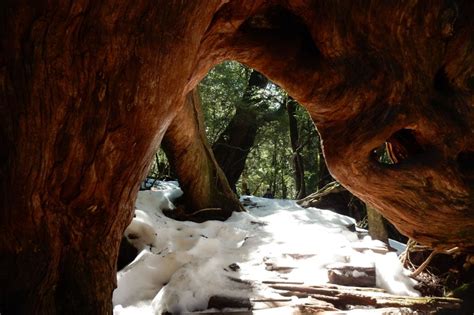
pixel 190 156
pixel 244 184
pixel 274 167
pixel 284 189
pixel 298 165
pixel 234 143
pixel 377 228
pixel 324 175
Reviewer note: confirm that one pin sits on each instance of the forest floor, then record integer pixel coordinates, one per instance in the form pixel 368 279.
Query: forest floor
pixel 277 258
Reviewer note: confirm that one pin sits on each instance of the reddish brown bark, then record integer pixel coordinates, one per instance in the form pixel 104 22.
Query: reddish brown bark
pixel 84 104
pixel 88 89
pixel 203 182
pixel 369 73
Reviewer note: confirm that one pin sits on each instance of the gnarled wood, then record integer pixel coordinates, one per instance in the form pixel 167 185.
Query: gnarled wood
pixel 200 177
pixel 383 73
pixel 88 89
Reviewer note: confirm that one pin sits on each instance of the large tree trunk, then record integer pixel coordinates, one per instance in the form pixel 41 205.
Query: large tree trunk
pixel 235 142
pixel 377 229
pixel 343 62
pixel 88 89
pixel 84 104
pixel 200 177
pixel 233 145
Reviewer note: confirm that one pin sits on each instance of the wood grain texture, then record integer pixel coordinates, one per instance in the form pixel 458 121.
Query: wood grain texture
pixel 88 89
pixel 368 72
pixel 203 182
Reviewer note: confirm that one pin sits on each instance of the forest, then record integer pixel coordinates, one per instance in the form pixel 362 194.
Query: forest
pixel 199 138
pixel 264 141
pixel 258 153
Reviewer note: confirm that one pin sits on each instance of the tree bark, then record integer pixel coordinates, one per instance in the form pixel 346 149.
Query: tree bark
pixel 298 165
pixel 88 89
pixel 377 228
pixel 84 105
pixel 191 158
pixel 361 92
pixel 235 142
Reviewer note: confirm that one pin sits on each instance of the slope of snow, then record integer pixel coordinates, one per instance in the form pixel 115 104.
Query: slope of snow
pixel 182 264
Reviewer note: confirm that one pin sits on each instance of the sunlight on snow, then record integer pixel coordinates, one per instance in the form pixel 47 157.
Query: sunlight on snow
pixel 182 264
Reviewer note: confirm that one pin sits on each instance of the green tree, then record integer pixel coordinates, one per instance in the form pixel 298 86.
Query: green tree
pixel 250 134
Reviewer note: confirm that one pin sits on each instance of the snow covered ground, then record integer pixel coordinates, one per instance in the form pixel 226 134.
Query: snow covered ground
pixel 182 264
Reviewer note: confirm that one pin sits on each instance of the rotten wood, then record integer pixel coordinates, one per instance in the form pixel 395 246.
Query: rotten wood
pixel 352 276
pixel 345 287
pixel 343 297
pixel 220 302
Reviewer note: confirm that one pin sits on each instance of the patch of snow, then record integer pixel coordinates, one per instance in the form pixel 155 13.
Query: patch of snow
pixel 182 264
pixel 391 276
pixel 357 274
pixel 191 287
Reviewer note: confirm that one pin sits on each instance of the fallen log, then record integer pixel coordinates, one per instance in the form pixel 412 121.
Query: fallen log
pixel 310 200
pixel 313 305
pixel 270 300
pixel 342 298
pixel 220 302
pixel 281 282
pixel 352 276
pixel 271 265
pixel 324 285
pixel 350 288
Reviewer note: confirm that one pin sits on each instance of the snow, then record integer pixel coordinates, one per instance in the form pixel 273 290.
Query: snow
pixel 182 264
pixel 399 247
pixel 391 276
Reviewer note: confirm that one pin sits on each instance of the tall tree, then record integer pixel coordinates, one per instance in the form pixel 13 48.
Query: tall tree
pixel 207 194
pixel 221 90
pixel 234 144
pixel 296 146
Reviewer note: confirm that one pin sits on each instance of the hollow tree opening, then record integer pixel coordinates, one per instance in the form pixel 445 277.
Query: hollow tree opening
pixel 86 86
pixel 400 146
pixel 246 121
